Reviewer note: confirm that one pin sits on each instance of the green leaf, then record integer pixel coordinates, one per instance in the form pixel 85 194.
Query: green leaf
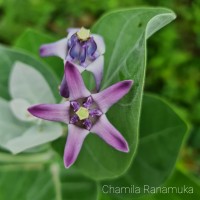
pixel 125 33
pixel 27 83
pixel 37 182
pixel 17 136
pixel 178 180
pixel 34 136
pixel 175 185
pixel 161 136
pixel 19 108
pixel 8 57
pixel 27 86
pixel 31 41
pixel 9 126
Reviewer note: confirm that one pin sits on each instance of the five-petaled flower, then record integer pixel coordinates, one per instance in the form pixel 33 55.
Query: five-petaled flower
pixel 83 49
pixel 85 113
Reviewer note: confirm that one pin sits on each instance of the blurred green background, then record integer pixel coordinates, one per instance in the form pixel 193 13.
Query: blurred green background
pixel 173 67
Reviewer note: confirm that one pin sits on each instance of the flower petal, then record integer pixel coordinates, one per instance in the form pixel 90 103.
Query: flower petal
pixel 64 91
pixel 58 48
pixel 82 55
pixel 100 43
pixel 74 119
pixel 71 31
pixel 75 105
pixel 75 82
pixel 111 95
pixel 74 52
pixel 88 102
pixel 91 47
pixel 52 112
pixel 74 143
pixel 95 112
pixel 80 68
pixel 96 68
pixel 88 124
pixel 105 130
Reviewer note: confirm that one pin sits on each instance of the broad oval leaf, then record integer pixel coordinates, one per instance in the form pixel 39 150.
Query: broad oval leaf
pixel 17 136
pixel 34 136
pixel 9 126
pixel 125 33
pixel 27 83
pixel 19 108
pixel 8 57
pixel 17 132
pixel 161 136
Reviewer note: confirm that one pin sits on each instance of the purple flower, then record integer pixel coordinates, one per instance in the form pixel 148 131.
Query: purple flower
pixel 85 113
pixel 83 49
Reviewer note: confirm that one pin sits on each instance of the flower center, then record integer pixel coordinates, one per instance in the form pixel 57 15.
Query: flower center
pixel 82 113
pixel 83 34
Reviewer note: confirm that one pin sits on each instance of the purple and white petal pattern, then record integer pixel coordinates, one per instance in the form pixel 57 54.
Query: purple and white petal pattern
pixel 75 139
pixel 111 95
pixel 75 105
pixel 74 119
pixel 71 31
pixel 75 50
pixel 96 68
pixel 58 48
pixel 84 112
pixel 100 43
pixel 75 82
pixel 91 48
pixel 105 130
pixel 95 112
pixel 88 102
pixel 51 112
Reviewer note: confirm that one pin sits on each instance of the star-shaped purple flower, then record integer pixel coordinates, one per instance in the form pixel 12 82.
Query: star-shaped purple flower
pixel 83 49
pixel 84 113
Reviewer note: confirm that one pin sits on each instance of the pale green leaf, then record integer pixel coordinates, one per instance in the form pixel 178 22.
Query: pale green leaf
pixel 9 126
pixel 17 136
pixel 19 108
pixel 27 83
pixel 7 59
pixel 34 136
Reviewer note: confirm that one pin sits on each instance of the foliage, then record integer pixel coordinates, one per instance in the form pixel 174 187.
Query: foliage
pixel 159 129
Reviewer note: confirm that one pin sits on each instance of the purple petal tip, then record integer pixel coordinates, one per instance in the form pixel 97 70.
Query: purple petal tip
pixel 125 149
pixel 42 51
pixel 121 144
pixel 127 84
pixel 67 165
pixel 31 110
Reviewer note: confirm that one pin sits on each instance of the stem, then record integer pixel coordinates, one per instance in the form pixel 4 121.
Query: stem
pixel 40 157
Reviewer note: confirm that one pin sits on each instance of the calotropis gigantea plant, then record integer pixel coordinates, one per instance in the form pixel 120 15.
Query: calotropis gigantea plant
pixel 19 130
pixel 160 137
pixel 83 49
pixel 84 112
